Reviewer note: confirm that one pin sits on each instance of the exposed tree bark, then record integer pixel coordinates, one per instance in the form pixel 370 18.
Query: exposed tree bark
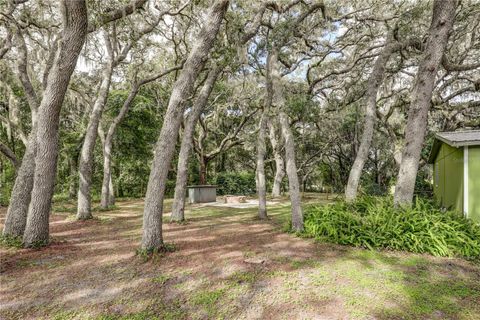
pixel 202 173
pixel 116 14
pixel 293 183
pixel 261 146
pixel 85 166
pixel 228 142
pixel 291 167
pixel 260 171
pixel 443 17
pixel 107 184
pixel 182 89
pixel 111 192
pixel 178 208
pixel 73 37
pixel 16 218
pixel 279 163
pixel 10 155
pixel 108 194
pixel 374 82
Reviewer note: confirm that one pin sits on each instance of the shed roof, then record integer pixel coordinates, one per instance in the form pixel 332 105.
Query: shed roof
pixel 455 139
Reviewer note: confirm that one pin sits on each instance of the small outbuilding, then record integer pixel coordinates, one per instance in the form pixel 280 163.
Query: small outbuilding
pixel 202 193
pixel 456 171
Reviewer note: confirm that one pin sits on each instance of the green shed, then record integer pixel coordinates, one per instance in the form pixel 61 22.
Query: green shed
pixel 456 171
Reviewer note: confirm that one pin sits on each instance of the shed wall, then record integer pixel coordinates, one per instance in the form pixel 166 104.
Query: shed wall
pixel 474 183
pixel 448 177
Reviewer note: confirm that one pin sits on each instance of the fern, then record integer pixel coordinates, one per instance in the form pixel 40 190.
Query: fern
pixel 373 222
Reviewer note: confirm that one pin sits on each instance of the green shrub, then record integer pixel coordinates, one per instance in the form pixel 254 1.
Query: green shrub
pixel 373 222
pixel 235 183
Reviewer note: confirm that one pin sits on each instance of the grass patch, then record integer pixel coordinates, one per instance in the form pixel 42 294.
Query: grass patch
pixel 208 299
pixel 151 254
pixel 161 279
pixel 11 242
pixel 373 222
pixel 247 277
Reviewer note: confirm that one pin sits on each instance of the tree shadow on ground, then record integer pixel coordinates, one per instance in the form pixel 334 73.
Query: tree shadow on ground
pixel 92 269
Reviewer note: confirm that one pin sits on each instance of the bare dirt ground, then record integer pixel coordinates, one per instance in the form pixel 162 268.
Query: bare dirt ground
pixel 227 265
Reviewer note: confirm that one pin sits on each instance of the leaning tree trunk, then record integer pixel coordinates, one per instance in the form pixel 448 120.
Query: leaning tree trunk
pixel 10 155
pixel 108 198
pixel 374 82
pixel 84 209
pixel 16 218
pixel 182 89
pixel 442 22
pixel 291 166
pixel 108 194
pixel 73 37
pixel 178 208
pixel 260 172
pixel 279 163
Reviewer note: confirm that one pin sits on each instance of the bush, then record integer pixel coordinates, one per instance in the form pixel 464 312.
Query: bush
pixel 373 222
pixel 235 183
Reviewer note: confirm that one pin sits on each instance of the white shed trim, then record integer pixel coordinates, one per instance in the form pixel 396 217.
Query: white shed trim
pixel 465 181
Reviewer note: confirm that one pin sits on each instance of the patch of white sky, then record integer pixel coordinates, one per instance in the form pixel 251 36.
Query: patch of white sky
pixel 159 51
pixel 300 73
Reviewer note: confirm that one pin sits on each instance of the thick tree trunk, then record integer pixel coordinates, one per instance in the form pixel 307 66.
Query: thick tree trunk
pixel 178 208
pixel 74 32
pixel 293 184
pixel 260 172
pixel 442 22
pixel 279 163
pixel 182 89
pixel 291 166
pixel 16 218
pixel 84 209
pixel 374 82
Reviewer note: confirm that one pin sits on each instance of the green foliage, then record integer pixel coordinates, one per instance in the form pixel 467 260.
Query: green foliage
pixel 235 183
pixel 208 298
pixel 12 242
pixel 161 279
pixel 373 222
pixel 147 254
pixel 6 182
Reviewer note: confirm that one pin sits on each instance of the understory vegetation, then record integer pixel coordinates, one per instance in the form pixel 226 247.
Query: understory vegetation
pixel 374 222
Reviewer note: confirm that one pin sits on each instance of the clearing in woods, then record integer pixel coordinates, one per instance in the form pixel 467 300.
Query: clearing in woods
pixel 227 264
